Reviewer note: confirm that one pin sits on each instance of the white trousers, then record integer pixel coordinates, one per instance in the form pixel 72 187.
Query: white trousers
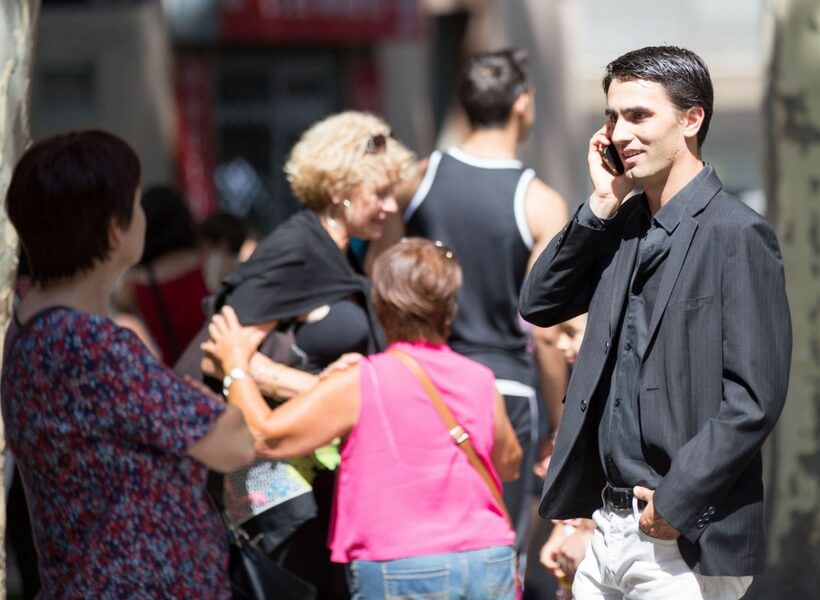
pixel 623 562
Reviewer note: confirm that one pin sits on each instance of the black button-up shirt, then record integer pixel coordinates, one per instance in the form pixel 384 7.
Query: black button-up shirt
pixel 619 432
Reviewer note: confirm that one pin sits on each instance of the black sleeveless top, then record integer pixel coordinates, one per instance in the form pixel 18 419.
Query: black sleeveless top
pixel 343 329
pixel 476 207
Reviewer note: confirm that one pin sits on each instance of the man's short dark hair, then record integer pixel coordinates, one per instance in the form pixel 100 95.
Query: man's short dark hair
pixel 681 72
pixel 490 84
pixel 169 224
pixel 63 194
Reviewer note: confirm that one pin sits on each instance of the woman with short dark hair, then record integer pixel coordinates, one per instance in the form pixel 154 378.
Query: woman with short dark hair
pixel 112 447
pixel 407 501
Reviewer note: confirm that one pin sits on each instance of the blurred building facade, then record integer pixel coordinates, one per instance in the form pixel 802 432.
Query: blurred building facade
pixel 213 93
pixel 571 41
pixel 107 65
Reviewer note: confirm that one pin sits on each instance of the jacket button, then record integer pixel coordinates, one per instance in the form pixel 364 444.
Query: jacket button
pixel 700 524
pixel 710 510
pixel 606 347
pixel 583 405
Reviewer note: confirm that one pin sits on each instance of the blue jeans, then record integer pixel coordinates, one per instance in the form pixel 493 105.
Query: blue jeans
pixel 475 575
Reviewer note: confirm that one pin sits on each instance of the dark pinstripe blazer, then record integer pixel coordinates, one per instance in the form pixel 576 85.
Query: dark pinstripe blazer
pixel 712 380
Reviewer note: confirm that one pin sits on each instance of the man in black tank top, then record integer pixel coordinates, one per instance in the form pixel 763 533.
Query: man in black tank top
pixel 480 201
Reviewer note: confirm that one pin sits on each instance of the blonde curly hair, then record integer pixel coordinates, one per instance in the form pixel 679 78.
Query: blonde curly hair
pixel 332 158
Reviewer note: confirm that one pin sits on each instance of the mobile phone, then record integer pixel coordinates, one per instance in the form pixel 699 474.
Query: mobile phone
pixel 610 158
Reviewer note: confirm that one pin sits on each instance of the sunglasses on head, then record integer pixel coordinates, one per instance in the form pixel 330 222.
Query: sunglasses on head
pixel 376 144
pixel 448 253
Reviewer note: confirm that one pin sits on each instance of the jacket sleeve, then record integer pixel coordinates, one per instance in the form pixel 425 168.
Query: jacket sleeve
pixel 757 344
pixel 564 277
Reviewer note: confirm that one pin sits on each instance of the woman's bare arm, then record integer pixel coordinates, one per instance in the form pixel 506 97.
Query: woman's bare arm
pixel 506 455
pixel 306 422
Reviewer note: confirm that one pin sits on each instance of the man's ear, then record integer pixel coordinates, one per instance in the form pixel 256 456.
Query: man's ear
pixel 692 121
pixel 522 104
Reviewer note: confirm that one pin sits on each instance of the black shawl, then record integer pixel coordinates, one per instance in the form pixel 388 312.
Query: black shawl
pixel 295 269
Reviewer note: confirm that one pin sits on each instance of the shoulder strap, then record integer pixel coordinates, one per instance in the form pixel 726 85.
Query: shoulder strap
pixel 460 437
pixel 162 312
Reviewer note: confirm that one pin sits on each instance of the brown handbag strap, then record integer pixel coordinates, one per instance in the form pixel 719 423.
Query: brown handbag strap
pixel 457 433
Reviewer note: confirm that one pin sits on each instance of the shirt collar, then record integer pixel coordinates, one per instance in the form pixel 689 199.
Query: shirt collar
pixel 670 214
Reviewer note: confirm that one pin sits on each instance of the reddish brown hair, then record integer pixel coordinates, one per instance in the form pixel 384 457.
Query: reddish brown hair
pixel 415 284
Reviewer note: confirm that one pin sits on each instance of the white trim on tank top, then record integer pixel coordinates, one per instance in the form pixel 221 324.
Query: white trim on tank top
pixel 519 208
pixel 484 163
pixel 424 186
pixel 510 387
pixel 475 161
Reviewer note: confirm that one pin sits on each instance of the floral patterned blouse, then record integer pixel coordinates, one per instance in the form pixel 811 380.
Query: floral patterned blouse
pixel 99 430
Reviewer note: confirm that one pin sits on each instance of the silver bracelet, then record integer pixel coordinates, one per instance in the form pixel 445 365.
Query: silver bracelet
pixel 235 374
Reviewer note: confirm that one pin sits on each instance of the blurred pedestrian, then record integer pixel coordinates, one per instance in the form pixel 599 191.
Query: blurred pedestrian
pixel 684 368
pixel 569 539
pixel 221 237
pixel 567 339
pixel 168 284
pixel 497 216
pixel 301 279
pixel 111 446
pixel 411 513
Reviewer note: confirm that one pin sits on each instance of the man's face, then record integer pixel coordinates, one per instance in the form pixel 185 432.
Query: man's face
pixel 647 129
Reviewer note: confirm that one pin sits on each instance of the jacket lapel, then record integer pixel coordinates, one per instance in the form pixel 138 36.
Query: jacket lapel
pixel 681 241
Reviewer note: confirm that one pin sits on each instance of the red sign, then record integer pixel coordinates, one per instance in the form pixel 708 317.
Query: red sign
pixel 195 151
pixel 364 86
pixel 326 21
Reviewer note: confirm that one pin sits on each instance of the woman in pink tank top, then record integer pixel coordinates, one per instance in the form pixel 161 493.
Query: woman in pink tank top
pixel 411 515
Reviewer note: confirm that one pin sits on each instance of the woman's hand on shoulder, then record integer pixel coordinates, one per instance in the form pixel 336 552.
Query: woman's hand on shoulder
pixel 346 360
pixel 231 344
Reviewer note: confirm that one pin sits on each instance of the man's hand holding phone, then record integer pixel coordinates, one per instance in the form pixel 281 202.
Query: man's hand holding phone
pixel 610 187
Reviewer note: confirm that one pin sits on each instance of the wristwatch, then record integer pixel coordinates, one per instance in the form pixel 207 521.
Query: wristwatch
pixel 234 375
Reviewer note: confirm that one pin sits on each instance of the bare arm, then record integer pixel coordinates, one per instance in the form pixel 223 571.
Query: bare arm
pixel 547 213
pixel 276 380
pixel 306 422
pixel 227 446
pixel 311 419
pixel 552 372
pixel 506 454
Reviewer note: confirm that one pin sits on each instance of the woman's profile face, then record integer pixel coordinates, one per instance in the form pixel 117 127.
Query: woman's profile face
pixel 370 204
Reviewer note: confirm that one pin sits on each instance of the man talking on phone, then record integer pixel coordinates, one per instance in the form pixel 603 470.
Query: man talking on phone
pixel 684 367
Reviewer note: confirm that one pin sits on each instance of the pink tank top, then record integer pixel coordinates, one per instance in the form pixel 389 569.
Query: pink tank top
pixel 404 488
